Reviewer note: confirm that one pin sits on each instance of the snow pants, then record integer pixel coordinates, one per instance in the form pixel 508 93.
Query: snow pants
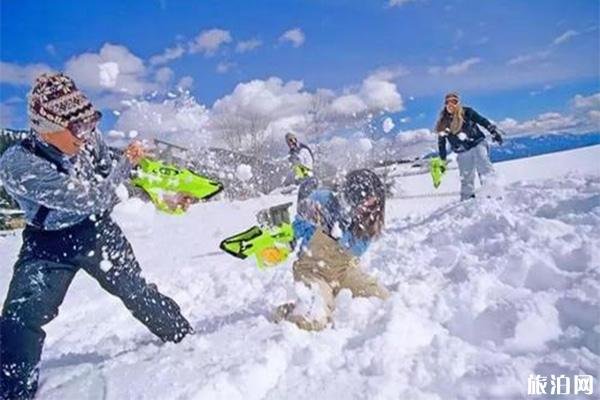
pixel 47 263
pixel 327 268
pixel 474 160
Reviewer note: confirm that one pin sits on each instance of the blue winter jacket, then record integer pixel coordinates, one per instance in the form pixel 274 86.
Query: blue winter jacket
pixel 322 209
pixel 471 134
pixel 64 190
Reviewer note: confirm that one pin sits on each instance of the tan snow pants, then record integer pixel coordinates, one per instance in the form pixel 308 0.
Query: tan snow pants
pixel 326 265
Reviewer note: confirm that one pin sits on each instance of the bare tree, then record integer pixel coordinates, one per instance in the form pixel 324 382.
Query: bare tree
pixel 244 133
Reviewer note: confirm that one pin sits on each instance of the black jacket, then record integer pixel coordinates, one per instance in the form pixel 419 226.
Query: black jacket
pixel 472 134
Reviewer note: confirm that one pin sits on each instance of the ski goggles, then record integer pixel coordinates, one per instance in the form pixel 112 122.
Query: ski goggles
pixel 451 100
pixel 82 129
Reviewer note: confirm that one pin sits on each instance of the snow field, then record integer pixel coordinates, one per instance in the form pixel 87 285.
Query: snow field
pixel 484 293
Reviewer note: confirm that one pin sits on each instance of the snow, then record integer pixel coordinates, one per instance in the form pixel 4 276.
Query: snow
pixel 483 293
pixel 244 172
pixel 387 125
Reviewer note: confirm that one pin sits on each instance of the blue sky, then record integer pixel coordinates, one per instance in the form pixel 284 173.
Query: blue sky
pixel 511 59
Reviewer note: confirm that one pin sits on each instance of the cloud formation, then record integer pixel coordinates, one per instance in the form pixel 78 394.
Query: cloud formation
pixel 565 37
pixel 25 75
pixel 584 117
pixel 294 36
pixel 398 3
pixel 114 68
pixel 170 54
pixel 248 45
pixel 209 41
pixel 455 69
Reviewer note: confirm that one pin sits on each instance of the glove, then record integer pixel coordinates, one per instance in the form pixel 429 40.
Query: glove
pixel 498 139
pixel 443 166
pixel 496 136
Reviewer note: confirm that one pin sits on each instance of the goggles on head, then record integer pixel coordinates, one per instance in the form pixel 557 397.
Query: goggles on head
pixel 81 129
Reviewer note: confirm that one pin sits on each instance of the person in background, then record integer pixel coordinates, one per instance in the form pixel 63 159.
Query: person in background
pixel 301 157
pixel 64 179
pixel 459 125
pixel 333 230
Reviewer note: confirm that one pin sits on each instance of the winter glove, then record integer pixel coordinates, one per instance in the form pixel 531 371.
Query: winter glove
pixel 443 167
pixel 496 136
pixel 498 139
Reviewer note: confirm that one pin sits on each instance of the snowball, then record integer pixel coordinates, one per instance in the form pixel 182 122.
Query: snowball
pixel 105 265
pixel 116 134
pixel 244 172
pixel 388 125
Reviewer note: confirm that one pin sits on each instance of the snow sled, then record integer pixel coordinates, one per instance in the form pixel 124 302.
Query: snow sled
pixel 172 188
pixel 270 242
pixel 437 168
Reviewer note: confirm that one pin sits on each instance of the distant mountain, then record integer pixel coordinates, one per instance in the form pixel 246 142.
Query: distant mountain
pixel 534 145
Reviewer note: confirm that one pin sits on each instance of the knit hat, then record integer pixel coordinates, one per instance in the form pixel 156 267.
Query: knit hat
pixel 56 104
pixel 290 137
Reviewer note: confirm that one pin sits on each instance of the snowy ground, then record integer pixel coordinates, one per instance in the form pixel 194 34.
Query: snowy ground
pixel 484 293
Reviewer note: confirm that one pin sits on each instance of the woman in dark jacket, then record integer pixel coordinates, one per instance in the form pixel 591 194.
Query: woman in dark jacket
pixel 460 127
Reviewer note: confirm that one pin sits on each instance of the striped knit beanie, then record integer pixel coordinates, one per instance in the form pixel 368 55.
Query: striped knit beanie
pixel 56 104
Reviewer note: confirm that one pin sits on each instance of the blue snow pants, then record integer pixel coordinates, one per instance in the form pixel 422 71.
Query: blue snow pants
pixel 47 263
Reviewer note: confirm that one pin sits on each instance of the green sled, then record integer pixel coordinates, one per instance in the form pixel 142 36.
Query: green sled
pixel 437 167
pixel 271 243
pixel 159 179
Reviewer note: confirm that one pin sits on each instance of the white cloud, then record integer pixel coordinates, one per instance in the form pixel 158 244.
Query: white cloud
pixel 375 94
pixel 544 123
pixel 594 117
pixel 109 71
pixel 15 74
pixel 224 66
pixel 587 102
pixel 114 68
pixel 381 94
pixel 583 118
pixel 531 57
pixel 248 45
pixel 349 104
pixel 462 67
pixel 273 106
pixel 390 73
pixel 185 83
pixel 271 98
pixel 454 69
pixel 170 54
pixel 398 3
pixel 565 37
pixel 164 75
pixel 209 41
pixel 294 36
